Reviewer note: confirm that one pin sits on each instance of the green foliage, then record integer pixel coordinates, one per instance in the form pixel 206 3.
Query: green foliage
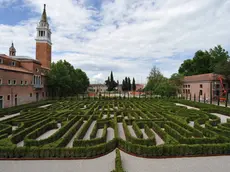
pixel 160 85
pixel 64 80
pixel 205 62
pixel 111 83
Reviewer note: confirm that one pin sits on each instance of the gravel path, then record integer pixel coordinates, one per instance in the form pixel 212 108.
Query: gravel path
pixel 45 106
pixel 144 134
pixel 121 131
pixel 104 117
pixel 223 118
pixel 87 135
pixel 70 144
pixel 47 134
pixel 110 134
pixel 103 164
pixel 189 107
pixel 159 140
pixel 197 164
pixel 99 133
pixel 9 116
pixel 131 131
pixel 191 123
pixel 20 144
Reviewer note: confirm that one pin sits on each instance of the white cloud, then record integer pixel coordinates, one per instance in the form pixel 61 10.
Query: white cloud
pixel 128 36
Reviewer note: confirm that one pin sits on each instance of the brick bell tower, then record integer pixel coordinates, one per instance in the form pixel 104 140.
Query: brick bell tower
pixel 43 41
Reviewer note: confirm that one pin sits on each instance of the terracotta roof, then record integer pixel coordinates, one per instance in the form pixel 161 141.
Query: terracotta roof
pixel 97 85
pixel 201 77
pixel 14 68
pixel 8 57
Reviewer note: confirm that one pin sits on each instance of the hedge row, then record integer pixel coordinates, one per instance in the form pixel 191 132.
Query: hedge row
pixel 69 135
pixel 16 109
pixel 16 138
pixel 174 150
pixel 118 162
pixel 39 152
pixel 29 139
pixel 56 136
pixel 129 137
pixel 91 142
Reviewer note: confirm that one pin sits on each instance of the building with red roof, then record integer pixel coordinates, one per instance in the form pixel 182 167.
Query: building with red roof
pixel 22 78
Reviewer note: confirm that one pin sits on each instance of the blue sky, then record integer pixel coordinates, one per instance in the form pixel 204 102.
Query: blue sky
pixel 126 36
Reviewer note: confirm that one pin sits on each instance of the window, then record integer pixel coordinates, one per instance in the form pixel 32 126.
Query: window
pixel 9 82
pixel 201 92
pixel 25 82
pixel 188 91
pixel 1 61
pixel 13 63
pixel 21 82
pixel 42 94
pixel 224 85
pixel 37 70
pixel 8 97
pixel 201 86
pixel 217 86
pixel 183 90
pixel 31 94
pixel 188 86
pixel 0 81
pixel 185 86
pixel 14 82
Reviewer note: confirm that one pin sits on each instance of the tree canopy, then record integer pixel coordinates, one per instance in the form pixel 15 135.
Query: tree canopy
pixel 204 61
pixel 161 85
pixel 110 83
pixel 63 80
pixel 127 85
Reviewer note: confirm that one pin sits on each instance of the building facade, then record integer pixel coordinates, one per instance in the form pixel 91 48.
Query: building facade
pixel 22 78
pixel 206 86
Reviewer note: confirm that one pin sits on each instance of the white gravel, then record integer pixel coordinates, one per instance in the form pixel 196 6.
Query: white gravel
pixel 191 123
pixel 121 131
pixel 99 133
pixel 202 125
pixel 70 144
pixel 223 118
pixel 130 164
pixel 144 134
pixel 130 127
pixel 87 134
pixel 196 164
pixel 45 106
pixel 104 117
pixel 20 144
pixel 9 116
pixel 189 107
pixel 47 134
pixel 103 164
pixel 110 134
pixel 159 140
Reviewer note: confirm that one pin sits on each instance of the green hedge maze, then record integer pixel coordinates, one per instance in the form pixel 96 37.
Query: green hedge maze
pixel 71 128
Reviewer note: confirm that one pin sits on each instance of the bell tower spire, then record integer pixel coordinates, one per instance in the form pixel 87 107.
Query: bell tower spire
pixel 43 41
pixel 12 50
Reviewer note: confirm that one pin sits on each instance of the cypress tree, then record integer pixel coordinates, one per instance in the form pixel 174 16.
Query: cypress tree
pixel 134 85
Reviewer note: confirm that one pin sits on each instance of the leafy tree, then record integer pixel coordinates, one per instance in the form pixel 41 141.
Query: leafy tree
pixel 134 85
pixel 110 83
pixel 176 80
pixel 159 84
pixel 223 68
pixel 204 61
pixel 64 80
